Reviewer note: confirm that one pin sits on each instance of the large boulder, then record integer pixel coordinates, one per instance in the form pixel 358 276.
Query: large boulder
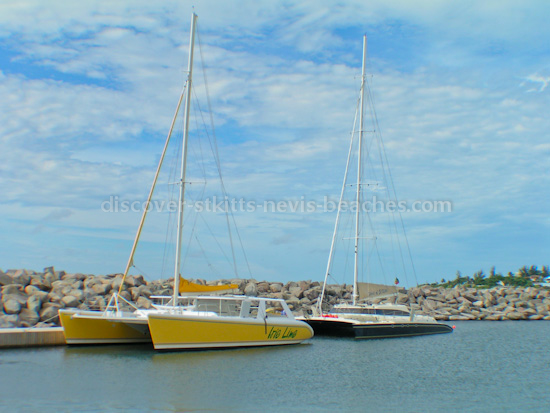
pixel 117 282
pixel 134 280
pixel 126 295
pixel 34 303
pixel 251 289
pixel 296 291
pixel 5 279
pixel 101 289
pixel 143 302
pixel 12 306
pixel 12 289
pixel 9 320
pixel 50 313
pixel 28 318
pixel 97 303
pixel 70 301
pixel 312 293
pixel 21 298
pixel 21 277
pixel 262 287
pixel 78 294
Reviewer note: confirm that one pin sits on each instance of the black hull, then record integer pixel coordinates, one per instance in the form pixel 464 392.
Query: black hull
pixel 331 328
pixel 375 330
pixel 399 330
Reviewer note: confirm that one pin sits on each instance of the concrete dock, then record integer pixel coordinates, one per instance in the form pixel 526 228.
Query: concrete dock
pixel 31 337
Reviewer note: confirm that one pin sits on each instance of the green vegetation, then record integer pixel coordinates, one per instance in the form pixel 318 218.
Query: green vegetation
pixel 524 277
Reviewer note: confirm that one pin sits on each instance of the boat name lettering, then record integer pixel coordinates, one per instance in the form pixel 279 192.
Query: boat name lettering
pixel 277 332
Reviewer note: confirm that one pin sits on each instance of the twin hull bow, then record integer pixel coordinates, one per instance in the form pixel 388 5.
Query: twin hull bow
pixel 191 332
pixel 95 327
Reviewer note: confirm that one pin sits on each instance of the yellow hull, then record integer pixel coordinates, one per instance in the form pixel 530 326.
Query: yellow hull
pixel 192 332
pixel 93 327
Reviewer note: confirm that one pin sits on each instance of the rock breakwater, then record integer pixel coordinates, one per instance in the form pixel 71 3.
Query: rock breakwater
pixel 30 298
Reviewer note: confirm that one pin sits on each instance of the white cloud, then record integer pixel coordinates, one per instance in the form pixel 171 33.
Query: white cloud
pixel 88 91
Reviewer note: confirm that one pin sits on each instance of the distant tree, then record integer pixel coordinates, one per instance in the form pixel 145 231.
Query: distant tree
pixel 479 275
pixel 492 272
pixel 544 272
pixel 443 281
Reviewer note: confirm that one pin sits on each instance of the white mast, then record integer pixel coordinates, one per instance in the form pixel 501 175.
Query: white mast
pixel 332 245
pixel 184 158
pixel 359 156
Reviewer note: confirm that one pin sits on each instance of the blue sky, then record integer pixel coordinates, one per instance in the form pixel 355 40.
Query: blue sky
pixel 89 88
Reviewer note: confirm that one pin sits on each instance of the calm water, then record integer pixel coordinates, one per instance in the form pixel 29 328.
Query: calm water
pixel 483 366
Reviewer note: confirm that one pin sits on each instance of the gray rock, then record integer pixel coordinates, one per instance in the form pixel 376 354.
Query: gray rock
pixel 312 294
pixel 117 282
pixel 49 314
pixel 5 279
pixel 50 278
pixel 516 316
pixel 9 320
pixel 296 291
pixel 28 318
pixel 77 285
pixel 458 318
pixel 21 298
pixel 12 306
pixel 97 303
pixel 135 293
pixel 33 290
pixel 54 297
pixel 12 289
pixel 78 294
pixel 101 289
pixel 70 301
pixel 40 283
pixel 276 287
pixel 34 303
pixel 262 287
pixel 21 277
pixel 71 278
pixel 143 302
pixel 430 305
pixel 304 285
pixel 126 295
pixel 251 290
pixel 402 298
pixel 470 297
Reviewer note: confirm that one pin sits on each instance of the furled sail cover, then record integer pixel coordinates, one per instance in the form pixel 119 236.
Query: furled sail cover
pixel 187 286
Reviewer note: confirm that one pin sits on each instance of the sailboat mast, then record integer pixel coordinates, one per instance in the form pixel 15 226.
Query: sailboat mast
pixel 359 160
pixel 184 157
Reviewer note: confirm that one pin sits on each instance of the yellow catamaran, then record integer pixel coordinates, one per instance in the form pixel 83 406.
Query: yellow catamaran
pixel 188 319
